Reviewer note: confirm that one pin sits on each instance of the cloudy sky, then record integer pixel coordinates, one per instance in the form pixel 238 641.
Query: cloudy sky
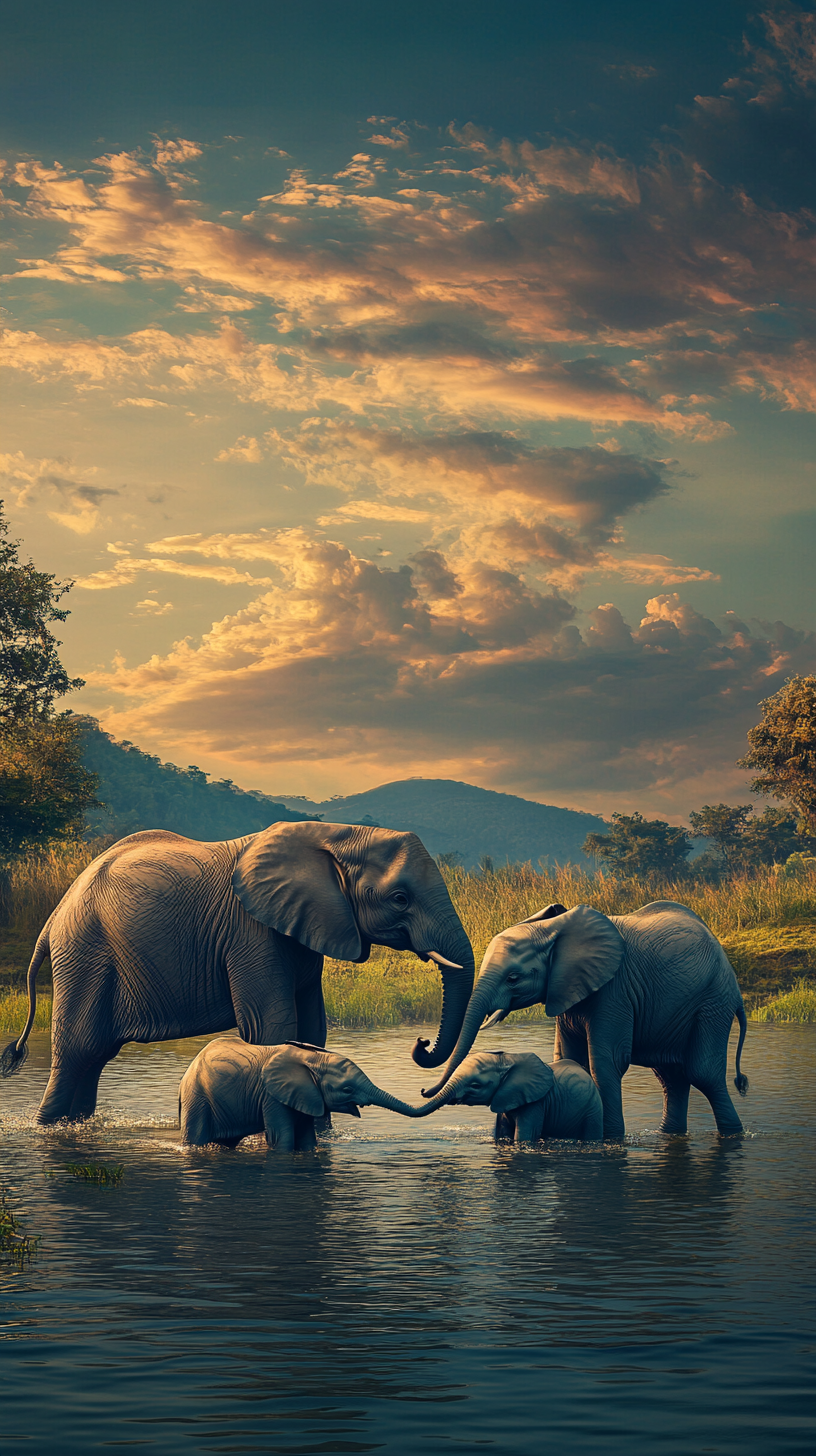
pixel 424 393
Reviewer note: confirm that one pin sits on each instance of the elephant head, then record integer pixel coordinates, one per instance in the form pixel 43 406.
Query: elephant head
pixel 340 888
pixel 311 1080
pixel 556 957
pixel 500 1080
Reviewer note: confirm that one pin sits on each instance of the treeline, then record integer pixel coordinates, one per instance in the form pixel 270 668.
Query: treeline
pixel 137 791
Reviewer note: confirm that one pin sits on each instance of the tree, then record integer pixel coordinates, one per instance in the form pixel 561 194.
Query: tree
pixel 637 846
pixel 44 789
pixel 783 749
pixel 31 674
pixel 771 839
pixel 725 825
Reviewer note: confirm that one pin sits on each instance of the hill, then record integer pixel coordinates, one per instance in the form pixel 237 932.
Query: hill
pixel 450 816
pixel 140 792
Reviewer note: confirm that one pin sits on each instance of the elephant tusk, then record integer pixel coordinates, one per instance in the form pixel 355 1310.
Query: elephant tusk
pixel 493 1020
pixel 433 955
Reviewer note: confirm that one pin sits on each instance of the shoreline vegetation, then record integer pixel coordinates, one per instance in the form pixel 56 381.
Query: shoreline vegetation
pixel 766 923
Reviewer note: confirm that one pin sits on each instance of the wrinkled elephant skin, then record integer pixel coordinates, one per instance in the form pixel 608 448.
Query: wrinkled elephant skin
pixel 653 988
pixel 233 1090
pixel 164 937
pixel 532 1099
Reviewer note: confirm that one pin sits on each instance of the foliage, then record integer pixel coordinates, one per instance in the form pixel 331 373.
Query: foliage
pixel 783 749
pixel 766 923
pixel 16 1247
pixel 31 674
pixel 97 1173
pixel 141 792
pixel 44 789
pixel 797 1004
pixel 725 825
pixel 14 1010
pixel 451 860
pixel 638 846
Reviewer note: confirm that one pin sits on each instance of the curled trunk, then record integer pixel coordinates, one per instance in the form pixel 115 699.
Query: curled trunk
pixel 456 989
pixel 483 1001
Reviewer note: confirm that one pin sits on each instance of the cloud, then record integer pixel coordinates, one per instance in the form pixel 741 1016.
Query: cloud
pixel 32 481
pixel 246 448
pixel 368 670
pixel 128 568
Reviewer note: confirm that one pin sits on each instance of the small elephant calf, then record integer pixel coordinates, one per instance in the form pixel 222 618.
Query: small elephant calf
pixel 234 1089
pixel 532 1099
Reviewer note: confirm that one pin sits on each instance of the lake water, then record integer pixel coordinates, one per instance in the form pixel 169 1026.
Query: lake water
pixel 411 1285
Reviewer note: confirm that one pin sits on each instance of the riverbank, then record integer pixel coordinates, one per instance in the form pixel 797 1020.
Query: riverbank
pixel 767 925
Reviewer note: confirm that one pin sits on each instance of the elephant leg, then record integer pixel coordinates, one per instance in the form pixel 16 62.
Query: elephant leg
pixel 570 1045
pixel 505 1127
pixel 592 1127
pixel 528 1123
pixel 707 1072
pixel 725 1113
pixel 305 1139
pixel 59 1094
pixel 84 1099
pixel 279 1125
pixel 607 1075
pixel 676 1087
pixel 311 1010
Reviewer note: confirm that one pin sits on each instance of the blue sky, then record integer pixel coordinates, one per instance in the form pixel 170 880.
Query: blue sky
pixel 422 393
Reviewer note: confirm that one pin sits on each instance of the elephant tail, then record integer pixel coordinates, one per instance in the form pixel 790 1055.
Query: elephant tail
pixel 15 1054
pixel 741 1081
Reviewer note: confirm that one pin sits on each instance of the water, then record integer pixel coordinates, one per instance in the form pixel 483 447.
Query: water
pixel 410 1283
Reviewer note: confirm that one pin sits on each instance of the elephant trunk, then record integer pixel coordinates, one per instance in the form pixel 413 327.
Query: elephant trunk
pixel 457 984
pixel 374 1096
pixel 484 1000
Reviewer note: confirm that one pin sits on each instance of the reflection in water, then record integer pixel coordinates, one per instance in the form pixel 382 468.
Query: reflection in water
pixel 411 1282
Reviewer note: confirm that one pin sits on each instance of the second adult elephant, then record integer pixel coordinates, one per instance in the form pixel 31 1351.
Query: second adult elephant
pixel 654 988
pixel 164 937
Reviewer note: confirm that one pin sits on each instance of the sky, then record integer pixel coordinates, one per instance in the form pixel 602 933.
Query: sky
pixel 418 391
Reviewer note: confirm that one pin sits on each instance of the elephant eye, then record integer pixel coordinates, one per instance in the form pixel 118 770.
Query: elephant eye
pixel 513 977
pixel 400 900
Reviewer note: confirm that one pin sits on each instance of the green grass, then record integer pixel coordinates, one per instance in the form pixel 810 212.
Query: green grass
pixel 16 1247
pixel 766 923
pixel 797 1004
pixel 97 1173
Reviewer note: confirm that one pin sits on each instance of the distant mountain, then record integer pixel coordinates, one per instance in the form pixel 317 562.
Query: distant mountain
pixel 140 792
pixel 450 816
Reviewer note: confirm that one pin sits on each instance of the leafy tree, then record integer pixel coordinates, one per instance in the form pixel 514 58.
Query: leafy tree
pixel 452 860
pixel 771 839
pixel 725 825
pixel 31 674
pixel 783 749
pixel 44 789
pixel 638 846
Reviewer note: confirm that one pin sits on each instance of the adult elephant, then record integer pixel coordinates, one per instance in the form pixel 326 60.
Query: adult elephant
pixel 653 988
pixel 164 937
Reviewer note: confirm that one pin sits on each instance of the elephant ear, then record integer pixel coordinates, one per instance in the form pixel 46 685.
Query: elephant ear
pixel 548 913
pixel 587 950
pixel 290 1081
pixel 289 878
pixel 528 1080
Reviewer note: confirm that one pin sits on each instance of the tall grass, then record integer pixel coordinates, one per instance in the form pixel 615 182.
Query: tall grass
pixel 767 924
pixel 797 1004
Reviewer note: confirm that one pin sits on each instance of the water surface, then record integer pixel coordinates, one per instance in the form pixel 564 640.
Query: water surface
pixel 410 1282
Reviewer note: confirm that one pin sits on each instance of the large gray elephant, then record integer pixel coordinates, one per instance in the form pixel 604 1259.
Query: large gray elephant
pixel 233 1090
pixel 532 1099
pixel 653 988
pixel 164 937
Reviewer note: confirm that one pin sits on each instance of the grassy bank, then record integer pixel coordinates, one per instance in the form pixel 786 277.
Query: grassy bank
pixel 797 1004
pixel 767 925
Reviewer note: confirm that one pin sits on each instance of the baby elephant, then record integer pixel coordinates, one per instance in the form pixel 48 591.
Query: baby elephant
pixel 234 1089
pixel 531 1099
